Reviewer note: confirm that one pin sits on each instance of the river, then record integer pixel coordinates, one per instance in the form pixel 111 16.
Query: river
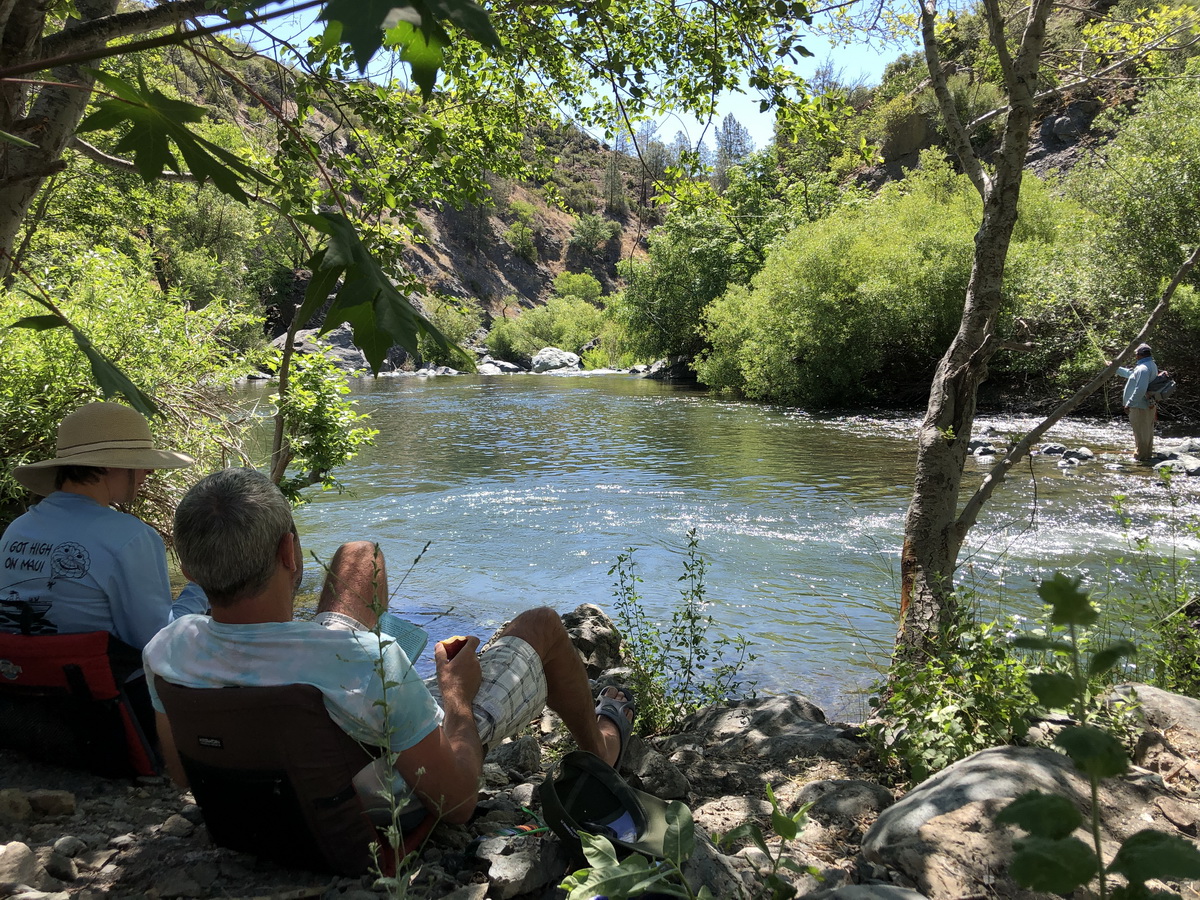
pixel 527 488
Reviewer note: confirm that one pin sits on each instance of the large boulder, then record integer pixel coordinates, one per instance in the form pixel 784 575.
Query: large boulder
pixel 551 359
pixel 942 835
pixel 338 346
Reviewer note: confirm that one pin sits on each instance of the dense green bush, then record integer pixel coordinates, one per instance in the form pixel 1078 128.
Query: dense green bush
pixel 179 356
pixel 457 319
pixel 564 322
pixel 581 285
pixel 855 306
pixel 591 233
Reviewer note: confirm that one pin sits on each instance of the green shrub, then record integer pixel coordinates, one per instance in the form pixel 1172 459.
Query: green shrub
pixel 591 233
pixel 457 319
pixel 564 322
pixel 581 285
pixel 324 431
pixel 679 669
pixel 178 356
pixel 970 697
pixel 520 237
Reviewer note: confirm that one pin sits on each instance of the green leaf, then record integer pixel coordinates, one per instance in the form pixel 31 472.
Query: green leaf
pixel 1156 854
pixel 7 138
pixel 680 839
pixel 378 313
pixel 423 53
pixel 598 850
pixel 783 825
pixel 1070 604
pixel 1049 816
pixel 1055 866
pixel 748 830
pixel 1054 690
pixel 111 379
pixel 40 323
pixel 610 880
pixel 1094 752
pixel 1107 657
pixel 1029 642
pixel 152 123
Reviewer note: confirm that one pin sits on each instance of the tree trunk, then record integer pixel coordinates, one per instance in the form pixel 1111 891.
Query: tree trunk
pixel 933 531
pixel 49 124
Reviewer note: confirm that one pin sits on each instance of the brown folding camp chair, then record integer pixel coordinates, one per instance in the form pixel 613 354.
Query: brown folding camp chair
pixel 73 699
pixel 272 773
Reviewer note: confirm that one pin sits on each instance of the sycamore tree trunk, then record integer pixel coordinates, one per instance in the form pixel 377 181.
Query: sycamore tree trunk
pixel 45 90
pixel 933 529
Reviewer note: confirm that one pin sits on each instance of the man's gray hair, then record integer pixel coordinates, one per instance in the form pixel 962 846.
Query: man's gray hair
pixel 227 531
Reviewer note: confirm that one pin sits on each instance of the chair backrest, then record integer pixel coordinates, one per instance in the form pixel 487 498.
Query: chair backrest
pixel 60 702
pixel 272 773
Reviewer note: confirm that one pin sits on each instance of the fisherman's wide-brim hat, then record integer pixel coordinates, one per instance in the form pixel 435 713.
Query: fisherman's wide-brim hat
pixel 106 435
pixel 586 794
pixel 1143 350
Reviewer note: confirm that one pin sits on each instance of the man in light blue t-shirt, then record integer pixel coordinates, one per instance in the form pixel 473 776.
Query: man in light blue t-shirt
pixel 235 538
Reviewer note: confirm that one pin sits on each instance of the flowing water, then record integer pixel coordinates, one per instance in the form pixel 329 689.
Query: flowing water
pixel 527 488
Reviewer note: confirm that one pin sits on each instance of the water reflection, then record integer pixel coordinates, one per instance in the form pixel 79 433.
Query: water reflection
pixel 529 488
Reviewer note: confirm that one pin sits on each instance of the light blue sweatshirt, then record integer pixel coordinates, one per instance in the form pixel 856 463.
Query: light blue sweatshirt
pixel 1136 381
pixel 71 565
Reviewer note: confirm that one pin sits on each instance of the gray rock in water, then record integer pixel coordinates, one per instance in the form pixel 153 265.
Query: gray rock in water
pixel 1080 454
pixel 1053 449
pixel 337 345
pixel 550 359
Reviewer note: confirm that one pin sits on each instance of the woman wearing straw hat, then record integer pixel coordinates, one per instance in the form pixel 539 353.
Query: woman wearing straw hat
pixel 72 563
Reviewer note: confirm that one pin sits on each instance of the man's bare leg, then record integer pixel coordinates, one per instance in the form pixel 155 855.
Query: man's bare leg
pixel 356 583
pixel 567 690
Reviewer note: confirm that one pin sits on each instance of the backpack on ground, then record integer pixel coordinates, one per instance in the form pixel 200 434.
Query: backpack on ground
pixel 1160 387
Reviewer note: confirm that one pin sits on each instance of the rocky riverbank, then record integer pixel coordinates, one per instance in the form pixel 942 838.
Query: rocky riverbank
pixel 67 834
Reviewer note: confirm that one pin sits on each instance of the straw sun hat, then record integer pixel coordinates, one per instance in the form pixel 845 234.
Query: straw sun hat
pixel 105 435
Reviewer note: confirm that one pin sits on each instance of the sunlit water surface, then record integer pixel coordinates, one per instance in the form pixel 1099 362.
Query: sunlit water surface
pixel 528 488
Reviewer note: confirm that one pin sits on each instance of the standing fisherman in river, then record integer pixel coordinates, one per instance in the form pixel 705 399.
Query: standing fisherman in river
pixel 1137 402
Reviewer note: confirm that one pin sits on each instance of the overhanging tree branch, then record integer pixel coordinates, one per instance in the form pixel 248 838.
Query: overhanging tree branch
pixel 960 141
pixel 992 480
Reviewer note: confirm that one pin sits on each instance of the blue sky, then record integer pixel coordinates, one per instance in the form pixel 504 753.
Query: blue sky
pixel 854 62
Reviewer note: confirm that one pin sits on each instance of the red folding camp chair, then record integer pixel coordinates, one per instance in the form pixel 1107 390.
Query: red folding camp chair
pixel 60 702
pixel 273 775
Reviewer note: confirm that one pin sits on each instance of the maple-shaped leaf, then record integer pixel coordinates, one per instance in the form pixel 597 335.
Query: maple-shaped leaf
pixel 379 315
pixel 153 123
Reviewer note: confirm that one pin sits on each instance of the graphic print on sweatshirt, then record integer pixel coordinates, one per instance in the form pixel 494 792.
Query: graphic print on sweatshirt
pixel 28 614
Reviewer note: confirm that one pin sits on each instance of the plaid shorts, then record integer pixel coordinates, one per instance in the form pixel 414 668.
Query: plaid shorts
pixel 512 693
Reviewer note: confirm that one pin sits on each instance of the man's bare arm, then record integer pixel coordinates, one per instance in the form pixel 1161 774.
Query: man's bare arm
pixel 444 767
